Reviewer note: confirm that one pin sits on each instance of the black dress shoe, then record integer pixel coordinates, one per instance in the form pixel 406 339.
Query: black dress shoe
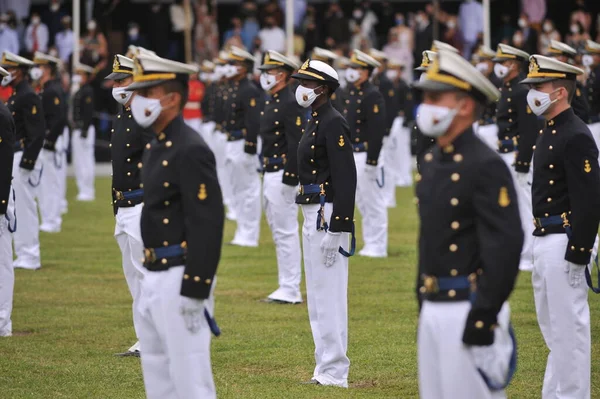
pixel 135 353
pixel 311 382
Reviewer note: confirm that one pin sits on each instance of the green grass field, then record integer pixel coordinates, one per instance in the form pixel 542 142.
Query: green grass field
pixel 71 317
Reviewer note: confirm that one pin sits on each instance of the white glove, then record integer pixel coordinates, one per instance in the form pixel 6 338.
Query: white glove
pixel 289 193
pixel 192 311
pixel 371 171
pixel 330 246
pixel 576 274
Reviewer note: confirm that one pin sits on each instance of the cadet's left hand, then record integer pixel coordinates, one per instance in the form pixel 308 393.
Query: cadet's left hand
pixel 192 310
pixel 576 273
pixel 330 246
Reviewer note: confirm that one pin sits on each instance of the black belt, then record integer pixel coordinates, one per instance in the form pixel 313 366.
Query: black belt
pixel 448 289
pixel 360 147
pixel 163 258
pixel 125 199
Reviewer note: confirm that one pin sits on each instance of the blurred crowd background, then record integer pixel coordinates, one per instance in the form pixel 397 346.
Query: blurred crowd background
pixel 402 29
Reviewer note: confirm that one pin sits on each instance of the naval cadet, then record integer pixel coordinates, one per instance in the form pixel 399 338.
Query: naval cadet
pixel 28 115
pixel 486 128
pixel 592 85
pixel 127 143
pixel 7 216
pixel 422 143
pixel 55 115
pixel 182 230
pixel 365 112
pixel 469 240
pixel 243 120
pixel 331 58
pixel 281 126
pixel 327 176
pixel 207 105
pixel 517 132
pixel 566 207
pixel 84 134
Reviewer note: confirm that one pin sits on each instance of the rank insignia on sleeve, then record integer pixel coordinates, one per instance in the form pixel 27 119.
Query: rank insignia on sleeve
pixel 56 101
pixel 503 198
pixel 298 121
pixel 202 192
pixel 34 110
pixel 253 102
pixel 341 141
pixel 375 109
pixel 587 168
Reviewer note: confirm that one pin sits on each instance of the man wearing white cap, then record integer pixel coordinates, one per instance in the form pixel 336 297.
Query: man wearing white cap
pixel 28 115
pixel 470 241
pixel 566 207
pixel 7 216
pixel 182 230
pixel 486 127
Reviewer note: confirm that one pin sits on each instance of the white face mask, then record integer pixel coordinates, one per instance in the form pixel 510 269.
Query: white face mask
pixel 352 75
pixel 36 73
pixel 232 71
pixel 267 82
pixel 35 20
pixel 91 25
pixel 587 60
pixel 7 79
pixel 76 79
pixel 482 67
pixel 145 111
pixel 391 74
pixel 305 96
pixel 54 7
pixel 433 120
pixel 121 95
pixel 547 28
pixel 522 24
pixel 539 102
pixel 501 71
pixel 574 29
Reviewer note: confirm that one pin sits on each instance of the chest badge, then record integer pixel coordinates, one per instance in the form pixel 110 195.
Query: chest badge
pixel 56 101
pixel 341 141
pixel 587 168
pixel 375 109
pixel 202 195
pixel 503 198
pixel 34 110
pixel 298 121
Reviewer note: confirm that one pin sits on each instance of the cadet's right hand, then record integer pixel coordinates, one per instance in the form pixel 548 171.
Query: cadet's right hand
pixel 576 274
pixel 192 310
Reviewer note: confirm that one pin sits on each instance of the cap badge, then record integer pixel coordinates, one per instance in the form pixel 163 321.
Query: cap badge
pixel 305 65
pixel 503 198
pixel 587 168
pixel 116 64
pixel 533 66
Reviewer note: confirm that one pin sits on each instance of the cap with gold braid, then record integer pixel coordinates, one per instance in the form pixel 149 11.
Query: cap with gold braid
pixel 150 71
pixel 438 45
pixel 428 57
pixel 122 68
pixel 321 54
pixel 556 49
pixel 273 59
pixel 395 63
pixel 3 72
pixel 485 53
pixel 545 69
pixel 343 62
pixel 40 58
pixel 506 52
pixel 11 60
pixel 84 68
pixel 318 71
pixel 378 55
pixel 237 54
pixel 591 47
pixel 358 59
pixel 451 72
pixel 207 66
pixel 134 51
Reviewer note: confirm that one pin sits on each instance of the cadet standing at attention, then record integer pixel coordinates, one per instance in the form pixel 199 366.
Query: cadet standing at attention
pixel 182 230
pixel 281 123
pixel 470 240
pixel 365 113
pixel 486 127
pixel 592 85
pixel 517 132
pixel 7 216
pixel 84 135
pixel 127 143
pixel 327 175
pixel 28 115
pixel 243 119
pixel 55 115
pixel 422 143
pixel 566 207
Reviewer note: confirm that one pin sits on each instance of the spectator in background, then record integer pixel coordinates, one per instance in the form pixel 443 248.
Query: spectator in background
pixel 386 22
pixel 582 15
pixel 506 31
pixel 406 38
pixel 311 32
pixel 578 35
pixel 8 37
pixel 18 8
pixel 470 21
pixel 549 33
pixel 452 36
pixel 299 11
pixel 18 26
pixel 64 40
pixel 272 36
pixel 235 30
pixel 158 23
pixel 94 47
pixel 134 37
pixel 395 49
pixel 272 9
pixel 536 11
pixel 36 35
pixel 180 21
pixel 423 34
pixel 529 35
pixel 336 27
pixel 299 44
pixel 207 34
pixel 250 28
pixel 52 17
pixel 366 20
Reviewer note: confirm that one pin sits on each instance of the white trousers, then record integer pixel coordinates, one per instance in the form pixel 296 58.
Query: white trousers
pixel 26 238
pixel 84 163
pixel 129 237
pixel 595 129
pixel 219 147
pixel 402 156
pixel 327 299
pixel 371 205
pixel 282 216
pixel 489 135
pixel 175 362
pixel 64 149
pixel 391 170
pixel 7 273
pixel 195 123
pixel 245 193
pixel 563 314
pixel 522 184
pixel 447 368
pixel 50 193
pixel 207 131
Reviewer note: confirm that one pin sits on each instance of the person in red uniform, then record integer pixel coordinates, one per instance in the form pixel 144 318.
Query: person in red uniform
pixel 192 114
